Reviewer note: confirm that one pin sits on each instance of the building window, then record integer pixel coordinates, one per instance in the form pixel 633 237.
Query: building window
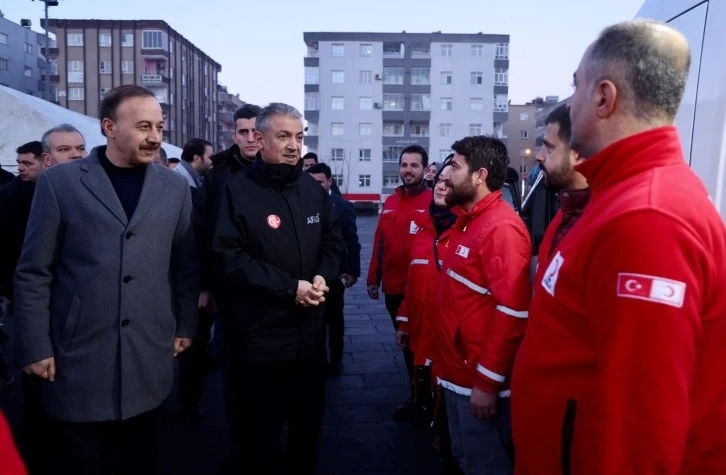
pixel 172 124
pixel 171 50
pixel 365 128
pixel 392 153
pixel 420 102
pixel 364 155
pixel 476 104
pixel 443 154
pixel 104 67
pixel 392 102
pixel 103 92
pixel 393 129
pixel 3 38
pixel 3 64
pixel 127 39
pixel 365 103
pixel 366 50
pixel 477 78
pixel 28 72
pixel 523 134
pixel 365 77
pixel 419 130
pixel 337 129
pixel 338 180
pixel 28 48
pixel 76 94
pixel 337 103
pixel 312 128
pixel 104 39
pixel 127 67
pixel 501 77
pixel 171 76
pixel 523 116
pixel 477 51
pixel 421 76
pixel 184 79
pixel 74 39
pixel 171 98
pixel 393 76
pixel 474 129
pixel 312 76
pixel 312 101
pixel 501 103
pixel 337 154
pixel 447 104
pixel 501 51
pixel 338 77
pixel 338 49
pixel 151 39
pixel 447 77
pixel 391 181
pixel 364 181
pixel 445 130
pixel 447 51
pixel 75 66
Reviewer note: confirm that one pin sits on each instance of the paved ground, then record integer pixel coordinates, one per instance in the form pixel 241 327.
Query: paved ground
pixel 359 435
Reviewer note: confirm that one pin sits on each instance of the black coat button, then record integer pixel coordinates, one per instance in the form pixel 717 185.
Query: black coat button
pixel 125 323
pixel 129 234
pixel 127 279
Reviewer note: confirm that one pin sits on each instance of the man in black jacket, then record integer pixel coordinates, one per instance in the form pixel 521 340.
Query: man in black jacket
pixel 349 268
pixel 279 242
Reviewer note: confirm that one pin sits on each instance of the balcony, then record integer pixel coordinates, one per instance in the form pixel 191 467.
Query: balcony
pixel 52 78
pixel 53 52
pixel 154 52
pixel 154 80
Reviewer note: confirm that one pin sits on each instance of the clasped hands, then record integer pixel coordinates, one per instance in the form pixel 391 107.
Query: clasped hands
pixel 311 294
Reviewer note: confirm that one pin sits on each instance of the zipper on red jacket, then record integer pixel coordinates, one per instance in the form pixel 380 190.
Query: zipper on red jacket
pixel 568 430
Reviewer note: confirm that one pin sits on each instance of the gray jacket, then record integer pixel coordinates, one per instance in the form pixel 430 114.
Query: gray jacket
pixel 105 295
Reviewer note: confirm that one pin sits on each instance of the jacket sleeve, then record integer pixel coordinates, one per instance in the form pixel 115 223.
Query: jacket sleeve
pixel 402 314
pixel 185 271
pixel 244 272
pixel 506 254
pixel 202 220
pixel 375 269
pixel 34 276
pixel 331 242
pixel 350 236
pixel 644 298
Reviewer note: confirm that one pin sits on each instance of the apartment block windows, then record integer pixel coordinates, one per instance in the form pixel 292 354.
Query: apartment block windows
pixel 475 129
pixel 392 153
pixel 3 38
pixel 443 154
pixel 393 129
pixel 421 76
pixel 337 129
pixel 501 103
pixel 364 155
pixel 447 103
pixel 477 51
pixel 419 130
pixel 501 77
pixel 104 39
pixel 477 78
pixel 75 71
pixel 365 77
pixel 3 64
pixel 392 75
pixel 523 116
pixel 447 77
pixel 337 49
pixel 338 180
pixel 476 104
pixel 312 128
pixel 445 130
pixel 523 134
pixel 127 39
pixel 337 154
pixel 447 51
pixel 337 103
pixel 338 77
pixel 365 103
pixel 76 94
pixel 392 102
pixel 104 67
pixel 391 181
pixel 420 102
pixel 312 75
pixel 127 67
pixel 74 39
pixel 28 72
pixel 364 181
pixel 151 39
pixel 312 101
pixel 501 51
pixel 103 92
pixel 366 50
pixel 365 129
pixel 28 48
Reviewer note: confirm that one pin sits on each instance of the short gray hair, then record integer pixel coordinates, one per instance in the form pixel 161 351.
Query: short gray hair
pixel 273 109
pixel 648 70
pixel 62 128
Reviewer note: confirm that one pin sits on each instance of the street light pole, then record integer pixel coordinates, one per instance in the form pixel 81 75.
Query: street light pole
pixel 48 3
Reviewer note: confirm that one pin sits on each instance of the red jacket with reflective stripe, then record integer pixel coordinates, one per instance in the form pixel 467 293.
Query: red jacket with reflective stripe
pixel 418 311
pixel 394 237
pixel 483 297
pixel 627 326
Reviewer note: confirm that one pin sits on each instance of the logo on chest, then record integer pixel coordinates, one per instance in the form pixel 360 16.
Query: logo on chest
pixel 314 219
pixel 273 221
pixel 462 251
pixel 412 228
pixel 549 281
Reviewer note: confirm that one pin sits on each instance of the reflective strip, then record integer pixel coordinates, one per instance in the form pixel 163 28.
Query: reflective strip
pixel 441 262
pixel 513 313
pixel 464 391
pixel 419 262
pixel 401 319
pixel 467 282
pixel 427 362
pixel 490 374
pixel 506 393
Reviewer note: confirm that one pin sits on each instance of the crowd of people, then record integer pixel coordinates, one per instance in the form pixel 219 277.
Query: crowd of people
pixel 607 361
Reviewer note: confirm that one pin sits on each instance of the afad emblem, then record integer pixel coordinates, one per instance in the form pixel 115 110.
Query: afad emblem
pixel 273 221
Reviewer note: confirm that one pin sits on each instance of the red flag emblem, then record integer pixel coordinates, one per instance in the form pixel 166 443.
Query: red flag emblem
pixel 651 288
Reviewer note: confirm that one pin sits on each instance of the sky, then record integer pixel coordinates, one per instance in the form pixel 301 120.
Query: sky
pixel 260 46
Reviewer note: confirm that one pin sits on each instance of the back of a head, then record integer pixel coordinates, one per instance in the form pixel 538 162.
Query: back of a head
pixel 321 168
pixel 311 156
pixel 113 99
pixel 561 116
pixel 483 151
pixel 648 61
pixel 194 147
pixel 35 147
pixel 247 111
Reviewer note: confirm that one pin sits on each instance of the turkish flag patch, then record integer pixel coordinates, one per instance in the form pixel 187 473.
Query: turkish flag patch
pixel 652 288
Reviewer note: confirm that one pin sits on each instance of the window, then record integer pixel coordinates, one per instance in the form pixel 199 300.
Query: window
pixel 477 51
pixel 391 181
pixel 28 48
pixel 443 154
pixel 477 78
pixel 3 38
pixel 392 102
pixel 365 103
pixel 337 154
pixel 127 67
pixel 501 103
pixel 523 116
pixel 76 94
pixel 447 51
pixel 419 130
pixel 524 134
pixel 476 104
pixel 184 79
pixel 75 66
pixel 474 129
pixel 366 50
pixel 364 181
pixel 337 103
pixel 393 129
pixel 447 104
pixel 171 50
pixel 104 39
pixel 501 51
pixel 337 49
pixel 444 130
pixel 392 153
pixel 172 125
pixel 421 76
pixel 103 92
pixel 104 67
pixel 3 64
pixel 74 39
pixel 392 75
pixel 312 76
pixel 501 77
pixel 28 72
pixel 365 77
pixel 151 39
pixel 420 102
pixel 338 180
pixel 312 128
pixel 337 129
pixel 338 77
pixel 447 77
pixel 312 101
pixel 127 39
pixel 171 98
pixel 364 155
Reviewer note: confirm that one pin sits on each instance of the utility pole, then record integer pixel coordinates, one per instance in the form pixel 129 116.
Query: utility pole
pixel 48 3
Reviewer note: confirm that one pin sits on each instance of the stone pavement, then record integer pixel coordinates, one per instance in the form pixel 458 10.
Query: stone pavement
pixel 359 434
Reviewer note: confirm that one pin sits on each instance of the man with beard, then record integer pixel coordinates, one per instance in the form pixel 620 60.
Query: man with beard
pixel 392 242
pixel 106 292
pixel 483 297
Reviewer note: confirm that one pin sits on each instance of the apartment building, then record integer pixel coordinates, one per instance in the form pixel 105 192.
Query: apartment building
pixel 22 64
pixel 520 132
pixel 94 56
pixel 228 104
pixel 369 95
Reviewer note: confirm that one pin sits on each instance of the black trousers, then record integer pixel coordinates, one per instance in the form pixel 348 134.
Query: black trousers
pixel 129 447
pixel 334 305
pixel 268 394
pixel 34 438
pixel 193 363
pixel 393 303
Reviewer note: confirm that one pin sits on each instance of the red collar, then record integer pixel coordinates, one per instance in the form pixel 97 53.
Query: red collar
pixel 463 216
pixel 631 156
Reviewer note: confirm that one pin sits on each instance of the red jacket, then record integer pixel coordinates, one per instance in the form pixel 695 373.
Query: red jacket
pixel 624 362
pixel 482 298
pixel 418 312
pixel 394 237
pixel 10 461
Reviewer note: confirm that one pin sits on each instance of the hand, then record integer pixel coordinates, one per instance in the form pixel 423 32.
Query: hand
pixel 348 280
pixel 319 284
pixel 207 302
pixel 307 295
pixel 402 339
pixel 43 369
pixel 181 344
pixel 483 404
pixel 373 292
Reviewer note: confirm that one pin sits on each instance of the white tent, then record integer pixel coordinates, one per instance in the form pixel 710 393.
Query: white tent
pixel 24 118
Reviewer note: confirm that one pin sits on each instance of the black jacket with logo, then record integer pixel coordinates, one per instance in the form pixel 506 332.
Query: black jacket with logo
pixel 270 234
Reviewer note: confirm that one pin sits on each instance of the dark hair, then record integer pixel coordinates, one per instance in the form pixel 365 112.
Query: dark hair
pixel 35 147
pixel 194 147
pixel 415 149
pixel 312 155
pixel 561 117
pixel 321 168
pixel 247 111
pixel 113 99
pixel 487 152
pixel 650 72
